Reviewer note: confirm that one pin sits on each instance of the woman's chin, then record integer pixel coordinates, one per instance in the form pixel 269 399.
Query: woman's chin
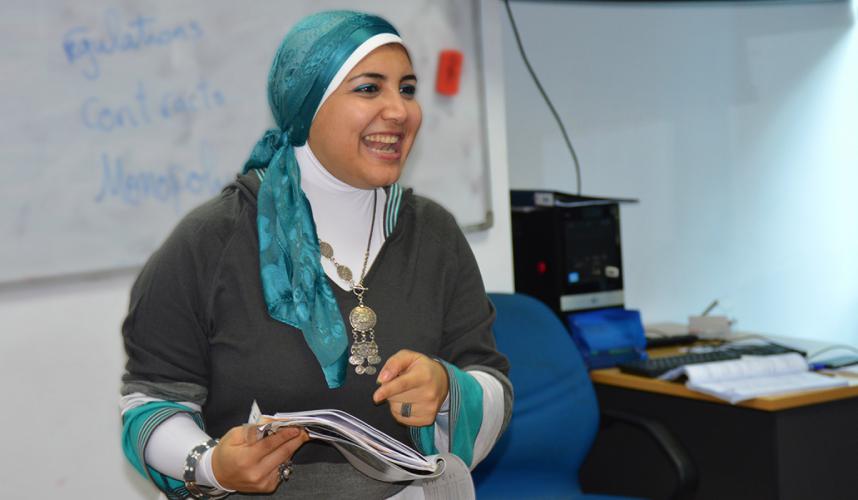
pixel 374 173
pixel 384 176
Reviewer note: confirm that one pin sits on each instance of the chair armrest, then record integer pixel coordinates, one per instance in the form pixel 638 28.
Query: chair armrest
pixel 686 472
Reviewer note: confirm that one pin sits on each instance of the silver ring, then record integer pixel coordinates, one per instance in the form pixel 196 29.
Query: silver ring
pixel 285 471
pixel 405 411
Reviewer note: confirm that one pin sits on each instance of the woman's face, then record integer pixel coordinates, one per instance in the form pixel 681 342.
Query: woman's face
pixel 364 131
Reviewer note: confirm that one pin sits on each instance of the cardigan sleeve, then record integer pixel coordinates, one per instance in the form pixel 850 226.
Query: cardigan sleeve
pixel 165 329
pixel 468 345
pixel 166 334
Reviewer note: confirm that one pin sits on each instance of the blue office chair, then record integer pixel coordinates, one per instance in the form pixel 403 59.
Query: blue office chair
pixel 555 417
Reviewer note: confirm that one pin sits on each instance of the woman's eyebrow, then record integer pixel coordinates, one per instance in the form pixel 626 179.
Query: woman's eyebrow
pixel 376 76
pixel 379 76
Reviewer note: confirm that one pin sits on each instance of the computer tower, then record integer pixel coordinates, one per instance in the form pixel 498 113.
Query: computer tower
pixel 566 250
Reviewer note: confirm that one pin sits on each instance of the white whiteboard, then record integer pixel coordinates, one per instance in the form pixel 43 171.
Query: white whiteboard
pixel 119 117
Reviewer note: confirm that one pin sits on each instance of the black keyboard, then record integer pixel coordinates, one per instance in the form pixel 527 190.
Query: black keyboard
pixel 655 367
pixel 671 340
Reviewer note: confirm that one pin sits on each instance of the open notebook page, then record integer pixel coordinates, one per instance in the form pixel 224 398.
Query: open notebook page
pixel 754 376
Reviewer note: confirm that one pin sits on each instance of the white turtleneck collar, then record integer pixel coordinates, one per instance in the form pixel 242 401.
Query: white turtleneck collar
pixel 342 214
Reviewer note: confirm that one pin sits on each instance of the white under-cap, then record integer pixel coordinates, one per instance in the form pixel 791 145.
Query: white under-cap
pixel 362 51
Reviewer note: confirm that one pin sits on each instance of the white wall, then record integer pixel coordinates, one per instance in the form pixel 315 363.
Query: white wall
pixel 733 123
pixel 61 353
pixel 61 359
pixel 493 248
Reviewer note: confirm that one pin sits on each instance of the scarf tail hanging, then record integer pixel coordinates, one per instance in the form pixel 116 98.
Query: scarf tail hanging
pixel 293 282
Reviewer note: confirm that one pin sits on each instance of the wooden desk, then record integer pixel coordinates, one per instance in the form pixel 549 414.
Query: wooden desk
pixel 614 377
pixel 799 446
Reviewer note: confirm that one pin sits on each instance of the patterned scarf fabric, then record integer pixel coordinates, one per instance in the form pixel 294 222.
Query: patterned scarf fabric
pixel 294 285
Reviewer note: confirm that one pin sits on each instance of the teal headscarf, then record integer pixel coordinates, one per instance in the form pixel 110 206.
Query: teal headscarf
pixel 294 285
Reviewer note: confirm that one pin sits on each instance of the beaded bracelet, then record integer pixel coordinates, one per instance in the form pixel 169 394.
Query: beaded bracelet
pixel 190 473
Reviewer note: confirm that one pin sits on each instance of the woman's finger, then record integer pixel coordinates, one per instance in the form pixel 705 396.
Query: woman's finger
pixel 419 394
pixel 424 380
pixel 276 439
pixel 396 364
pixel 270 482
pixel 284 452
pixel 417 414
pixel 424 407
pixel 252 468
pixel 404 382
pixel 408 409
pixel 236 436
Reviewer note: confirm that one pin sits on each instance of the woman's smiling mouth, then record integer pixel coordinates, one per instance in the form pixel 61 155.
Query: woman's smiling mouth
pixel 387 146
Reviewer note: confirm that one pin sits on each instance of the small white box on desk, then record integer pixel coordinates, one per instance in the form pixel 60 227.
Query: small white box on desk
pixel 709 326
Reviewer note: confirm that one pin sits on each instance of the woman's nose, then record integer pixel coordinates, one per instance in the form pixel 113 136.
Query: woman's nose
pixel 394 108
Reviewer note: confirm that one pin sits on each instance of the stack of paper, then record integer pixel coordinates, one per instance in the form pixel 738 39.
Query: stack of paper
pixel 371 451
pixel 754 376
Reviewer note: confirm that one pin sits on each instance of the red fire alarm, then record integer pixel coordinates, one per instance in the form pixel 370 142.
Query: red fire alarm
pixel 449 72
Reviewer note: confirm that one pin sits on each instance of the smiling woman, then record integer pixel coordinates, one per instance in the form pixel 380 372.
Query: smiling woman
pixel 250 297
pixel 365 129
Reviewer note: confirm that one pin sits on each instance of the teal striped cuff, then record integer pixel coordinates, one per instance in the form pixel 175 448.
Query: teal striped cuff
pixel 466 417
pixel 137 427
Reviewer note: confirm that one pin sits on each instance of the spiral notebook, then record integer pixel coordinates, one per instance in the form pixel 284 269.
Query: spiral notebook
pixel 368 449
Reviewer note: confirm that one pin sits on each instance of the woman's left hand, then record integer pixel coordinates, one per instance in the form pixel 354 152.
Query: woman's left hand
pixel 411 377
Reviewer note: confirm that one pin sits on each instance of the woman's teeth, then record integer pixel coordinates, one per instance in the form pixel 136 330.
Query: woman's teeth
pixel 388 139
pixel 382 143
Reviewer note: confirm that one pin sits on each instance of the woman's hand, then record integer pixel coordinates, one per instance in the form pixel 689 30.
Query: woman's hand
pixel 411 377
pixel 244 463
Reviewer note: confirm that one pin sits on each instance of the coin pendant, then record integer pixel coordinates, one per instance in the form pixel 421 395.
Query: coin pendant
pixel 344 273
pixel 362 318
pixel 369 370
pixel 360 369
pixel 355 360
pixel 326 249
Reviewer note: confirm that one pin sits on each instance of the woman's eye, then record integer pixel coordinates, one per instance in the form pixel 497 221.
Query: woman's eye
pixel 367 88
pixel 408 90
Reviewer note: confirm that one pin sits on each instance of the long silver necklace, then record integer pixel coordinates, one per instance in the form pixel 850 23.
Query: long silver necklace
pixel 364 350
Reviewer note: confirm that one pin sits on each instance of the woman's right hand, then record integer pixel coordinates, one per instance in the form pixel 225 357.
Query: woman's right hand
pixel 244 463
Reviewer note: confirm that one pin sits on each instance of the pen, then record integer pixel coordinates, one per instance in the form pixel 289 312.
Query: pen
pixel 711 306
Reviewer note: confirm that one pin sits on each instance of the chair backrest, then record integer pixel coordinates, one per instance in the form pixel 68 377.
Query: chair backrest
pixel 555 415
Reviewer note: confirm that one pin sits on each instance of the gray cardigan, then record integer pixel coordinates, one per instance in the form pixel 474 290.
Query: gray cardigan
pixel 198 329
